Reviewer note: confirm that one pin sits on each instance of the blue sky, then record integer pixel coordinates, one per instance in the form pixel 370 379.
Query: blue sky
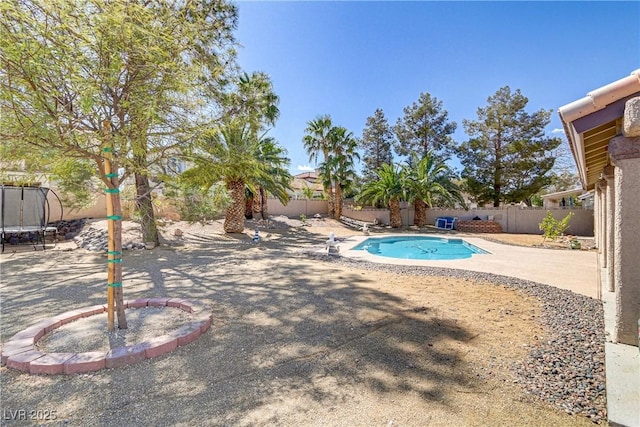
pixel 348 58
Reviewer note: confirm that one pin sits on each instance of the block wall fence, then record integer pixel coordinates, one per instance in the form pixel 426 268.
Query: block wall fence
pixel 512 219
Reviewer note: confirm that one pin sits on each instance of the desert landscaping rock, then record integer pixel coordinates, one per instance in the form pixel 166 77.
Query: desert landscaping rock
pixel 96 240
pixel 68 229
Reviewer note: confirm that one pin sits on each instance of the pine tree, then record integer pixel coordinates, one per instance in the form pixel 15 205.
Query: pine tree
pixel 425 128
pixel 508 156
pixel 377 139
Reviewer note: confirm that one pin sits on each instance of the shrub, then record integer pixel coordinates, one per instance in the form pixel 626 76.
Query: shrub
pixel 196 205
pixel 552 228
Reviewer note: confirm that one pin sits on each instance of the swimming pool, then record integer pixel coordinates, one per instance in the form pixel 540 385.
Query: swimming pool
pixel 419 247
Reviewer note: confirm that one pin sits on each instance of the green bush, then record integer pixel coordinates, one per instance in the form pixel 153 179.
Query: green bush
pixel 552 228
pixel 196 205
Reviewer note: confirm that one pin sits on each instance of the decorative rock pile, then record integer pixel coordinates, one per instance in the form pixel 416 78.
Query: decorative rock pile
pixel 97 240
pixel 67 230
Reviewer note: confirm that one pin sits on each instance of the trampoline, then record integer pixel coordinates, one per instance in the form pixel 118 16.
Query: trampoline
pixel 25 213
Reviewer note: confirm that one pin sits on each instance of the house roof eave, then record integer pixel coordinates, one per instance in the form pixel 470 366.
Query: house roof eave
pixel 595 101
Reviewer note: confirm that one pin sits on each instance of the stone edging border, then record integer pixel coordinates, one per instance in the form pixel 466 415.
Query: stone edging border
pixel 20 352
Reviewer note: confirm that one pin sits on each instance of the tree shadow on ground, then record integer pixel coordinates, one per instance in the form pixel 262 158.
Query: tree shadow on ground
pixel 286 333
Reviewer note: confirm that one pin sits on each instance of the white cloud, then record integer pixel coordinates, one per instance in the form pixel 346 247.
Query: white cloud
pixel 305 168
pixel 557 130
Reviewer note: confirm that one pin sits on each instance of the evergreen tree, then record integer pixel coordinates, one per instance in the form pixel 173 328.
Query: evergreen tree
pixel 508 156
pixel 376 142
pixel 425 127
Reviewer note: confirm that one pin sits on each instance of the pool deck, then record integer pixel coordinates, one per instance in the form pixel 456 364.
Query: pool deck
pixel 572 270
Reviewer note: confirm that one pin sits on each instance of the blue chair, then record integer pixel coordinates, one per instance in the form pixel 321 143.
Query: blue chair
pixel 445 222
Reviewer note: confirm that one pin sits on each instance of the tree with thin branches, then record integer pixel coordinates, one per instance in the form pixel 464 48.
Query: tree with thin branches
pixel 110 83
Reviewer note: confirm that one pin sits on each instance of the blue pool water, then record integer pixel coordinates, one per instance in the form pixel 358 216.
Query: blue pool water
pixel 419 247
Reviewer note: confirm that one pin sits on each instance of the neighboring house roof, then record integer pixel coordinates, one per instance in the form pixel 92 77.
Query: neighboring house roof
pixel 307 176
pixel 556 199
pixel 592 121
pixel 301 184
pixel 307 180
pixel 587 195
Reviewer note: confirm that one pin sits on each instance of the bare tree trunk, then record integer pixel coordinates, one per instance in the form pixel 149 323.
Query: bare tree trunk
pixel 144 206
pixel 395 217
pixel 331 201
pixel 118 294
pixel 420 217
pixel 114 236
pixel 257 203
pixel 264 208
pixel 234 219
pixel 338 202
pixel 249 203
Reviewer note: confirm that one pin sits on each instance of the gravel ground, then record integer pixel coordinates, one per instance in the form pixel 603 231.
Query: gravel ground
pixel 304 340
pixel 567 369
pixel 88 334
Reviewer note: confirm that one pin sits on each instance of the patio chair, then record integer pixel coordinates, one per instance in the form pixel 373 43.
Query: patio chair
pixel 446 222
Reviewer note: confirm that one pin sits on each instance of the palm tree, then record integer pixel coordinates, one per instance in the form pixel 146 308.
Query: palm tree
pixel 388 189
pixel 308 192
pixel 254 99
pixel 233 154
pixel 276 180
pixel 341 163
pixel 430 182
pixel 317 140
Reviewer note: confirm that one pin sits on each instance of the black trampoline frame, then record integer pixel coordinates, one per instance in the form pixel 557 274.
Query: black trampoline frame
pixel 28 215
